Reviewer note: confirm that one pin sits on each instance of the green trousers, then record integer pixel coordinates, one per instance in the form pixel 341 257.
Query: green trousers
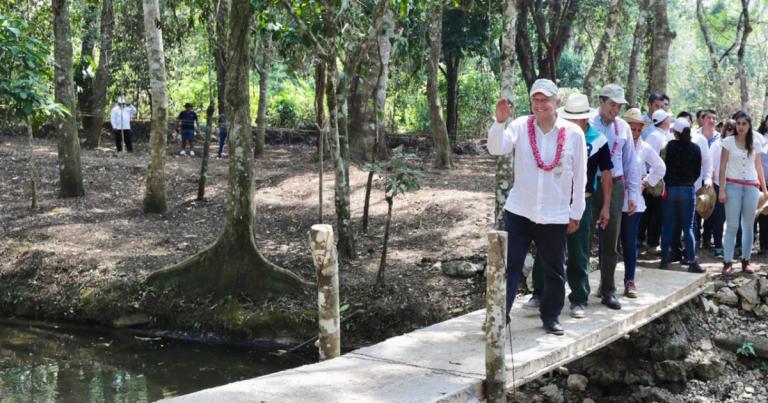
pixel 577 262
pixel 608 238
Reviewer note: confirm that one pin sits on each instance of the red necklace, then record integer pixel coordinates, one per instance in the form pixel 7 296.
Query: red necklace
pixel 535 147
pixel 615 138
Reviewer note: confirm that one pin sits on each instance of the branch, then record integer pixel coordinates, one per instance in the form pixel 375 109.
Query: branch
pixel 705 33
pixel 739 32
pixel 538 20
pixel 304 27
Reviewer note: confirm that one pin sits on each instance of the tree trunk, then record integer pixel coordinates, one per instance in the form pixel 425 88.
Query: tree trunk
pixel 261 119
pixel 452 65
pixel 383 261
pixel 439 129
pixel 743 88
pixel 327 268
pixel 154 197
pixel 597 70
pixel 32 165
pixel 206 150
pixel 70 174
pixel 322 132
pixel 637 49
pixel 220 55
pixel 661 39
pixel 734 343
pixel 234 264
pixel 505 167
pixel 707 38
pixel 99 99
pixel 319 94
pixel 765 99
pixel 82 75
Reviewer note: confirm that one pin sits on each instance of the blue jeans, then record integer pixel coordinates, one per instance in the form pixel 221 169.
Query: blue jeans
pixel 222 140
pixel 630 225
pixel 550 244
pixel 713 226
pixel 678 213
pixel 740 205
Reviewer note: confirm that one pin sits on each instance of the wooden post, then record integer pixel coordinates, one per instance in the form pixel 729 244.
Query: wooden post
pixel 325 257
pixel 495 317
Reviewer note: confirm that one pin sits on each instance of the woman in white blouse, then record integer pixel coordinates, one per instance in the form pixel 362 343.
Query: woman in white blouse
pixel 741 181
pixel 630 222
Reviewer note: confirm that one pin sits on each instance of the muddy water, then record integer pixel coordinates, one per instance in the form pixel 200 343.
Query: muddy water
pixel 50 364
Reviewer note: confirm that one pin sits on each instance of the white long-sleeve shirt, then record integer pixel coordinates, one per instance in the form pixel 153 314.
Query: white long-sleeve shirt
pixel 645 156
pixel 624 156
pixel 544 197
pixel 715 152
pixel 656 138
pixel 706 159
pixel 120 118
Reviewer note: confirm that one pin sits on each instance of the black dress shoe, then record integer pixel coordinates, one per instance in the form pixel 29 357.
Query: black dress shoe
pixel 553 327
pixel 611 302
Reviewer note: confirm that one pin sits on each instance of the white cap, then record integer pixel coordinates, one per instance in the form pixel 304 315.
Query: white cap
pixel 544 86
pixel 680 124
pixel 659 116
pixel 121 100
pixel 614 92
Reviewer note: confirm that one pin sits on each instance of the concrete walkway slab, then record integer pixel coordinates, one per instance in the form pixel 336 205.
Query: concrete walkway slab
pixel 445 362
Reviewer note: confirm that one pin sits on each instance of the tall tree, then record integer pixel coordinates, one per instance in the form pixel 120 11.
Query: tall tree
pixel 597 69
pixel 505 169
pixel 265 50
pixel 552 24
pixel 741 54
pixel 661 39
pixel 439 129
pixel 85 67
pixel 220 54
pixel 234 264
pixel 154 197
pixel 70 174
pixel 638 43
pixel 98 102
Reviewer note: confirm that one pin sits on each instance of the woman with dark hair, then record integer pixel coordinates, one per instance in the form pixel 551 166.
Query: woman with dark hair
pixel 716 222
pixel 742 180
pixel 763 129
pixel 683 160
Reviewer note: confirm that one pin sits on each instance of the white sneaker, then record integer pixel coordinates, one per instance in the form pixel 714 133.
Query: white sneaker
pixel 532 303
pixel 191 153
pixel 183 152
pixel 578 311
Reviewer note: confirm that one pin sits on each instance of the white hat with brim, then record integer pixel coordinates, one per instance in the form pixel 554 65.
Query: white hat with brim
pixel 544 86
pixel 576 107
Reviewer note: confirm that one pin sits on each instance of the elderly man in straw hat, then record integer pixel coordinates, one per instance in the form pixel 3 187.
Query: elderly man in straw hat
pixel 625 185
pixel 547 199
pixel 645 156
pixel 577 110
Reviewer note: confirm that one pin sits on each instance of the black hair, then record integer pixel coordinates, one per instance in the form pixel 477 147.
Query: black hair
pixel 188 105
pixel 763 129
pixel 685 135
pixel 685 114
pixel 657 96
pixel 603 98
pixel 748 139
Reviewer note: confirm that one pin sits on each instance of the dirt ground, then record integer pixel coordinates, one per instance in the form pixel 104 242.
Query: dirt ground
pixel 84 260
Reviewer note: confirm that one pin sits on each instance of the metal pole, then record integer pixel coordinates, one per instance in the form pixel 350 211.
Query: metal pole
pixel 495 317
pixel 326 263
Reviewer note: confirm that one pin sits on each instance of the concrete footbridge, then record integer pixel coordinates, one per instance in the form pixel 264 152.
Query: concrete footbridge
pixel 445 362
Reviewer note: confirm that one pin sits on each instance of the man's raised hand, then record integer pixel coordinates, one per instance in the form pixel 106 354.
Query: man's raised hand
pixel 502 111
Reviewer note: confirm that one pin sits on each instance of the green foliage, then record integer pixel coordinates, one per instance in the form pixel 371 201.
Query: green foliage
pixel 399 174
pixel 747 349
pixel 290 102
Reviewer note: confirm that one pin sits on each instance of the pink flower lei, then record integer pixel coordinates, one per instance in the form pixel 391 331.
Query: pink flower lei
pixel 615 138
pixel 535 147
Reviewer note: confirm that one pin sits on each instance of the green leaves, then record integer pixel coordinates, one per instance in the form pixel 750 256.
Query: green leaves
pixel 398 174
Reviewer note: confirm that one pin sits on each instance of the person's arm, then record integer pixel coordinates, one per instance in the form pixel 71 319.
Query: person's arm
pixel 579 181
pixel 178 123
pixel 759 169
pixel 706 162
pixel 631 179
pixel 723 167
pixel 197 124
pixel 114 119
pixel 605 165
pixel 658 168
pixel 501 139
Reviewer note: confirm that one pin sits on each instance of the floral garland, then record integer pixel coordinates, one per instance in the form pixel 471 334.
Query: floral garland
pixel 615 138
pixel 535 147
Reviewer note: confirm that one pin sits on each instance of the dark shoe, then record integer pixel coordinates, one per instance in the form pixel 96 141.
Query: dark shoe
pixel 719 252
pixel 745 266
pixel 675 256
pixel 664 265
pixel 553 327
pixel 727 268
pixel 694 267
pixel 611 302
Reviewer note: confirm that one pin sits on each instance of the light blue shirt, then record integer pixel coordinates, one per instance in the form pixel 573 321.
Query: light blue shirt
pixel 649 128
pixel 624 157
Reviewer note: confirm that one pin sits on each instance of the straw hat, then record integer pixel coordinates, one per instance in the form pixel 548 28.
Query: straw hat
pixel 633 115
pixel 705 201
pixel 762 205
pixel 656 190
pixel 576 107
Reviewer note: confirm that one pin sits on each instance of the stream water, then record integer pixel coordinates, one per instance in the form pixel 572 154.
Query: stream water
pixel 52 364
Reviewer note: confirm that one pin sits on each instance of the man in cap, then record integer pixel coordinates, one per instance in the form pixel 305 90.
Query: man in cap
pixel 577 110
pixel 625 185
pixel 656 101
pixel 120 118
pixel 547 198
pixel 187 124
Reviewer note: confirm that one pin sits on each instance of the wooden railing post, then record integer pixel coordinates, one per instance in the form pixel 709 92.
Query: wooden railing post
pixel 326 263
pixel 495 317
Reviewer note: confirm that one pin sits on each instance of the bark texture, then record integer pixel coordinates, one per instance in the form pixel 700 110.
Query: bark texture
pixel 99 99
pixel 83 74
pixel 439 129
pixel 495 317
pixel 234 264
pixel 638 43
pixel 70 175
pixel 220 53
pixel 597 69
pixel 327 267
pixel 261 118
pixel 154 197
pixel 747 29
pixel 32 165
pixel 505 167
pixel 661 39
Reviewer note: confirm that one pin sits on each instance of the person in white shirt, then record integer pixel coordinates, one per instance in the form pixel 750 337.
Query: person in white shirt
pixel 655 137
pixel 645 155
pixel 547 198
pixel 120 118
pixel 714 226
pixel 742 181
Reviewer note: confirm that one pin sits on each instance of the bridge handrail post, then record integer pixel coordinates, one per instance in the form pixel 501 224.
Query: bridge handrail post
pixel 326 262
pixel 495 317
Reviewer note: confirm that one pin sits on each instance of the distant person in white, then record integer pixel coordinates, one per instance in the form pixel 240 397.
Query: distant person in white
pixel 547 198
pixel 120 118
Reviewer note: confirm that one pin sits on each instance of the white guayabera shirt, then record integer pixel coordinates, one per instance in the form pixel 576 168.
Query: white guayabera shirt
pixel 544 197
